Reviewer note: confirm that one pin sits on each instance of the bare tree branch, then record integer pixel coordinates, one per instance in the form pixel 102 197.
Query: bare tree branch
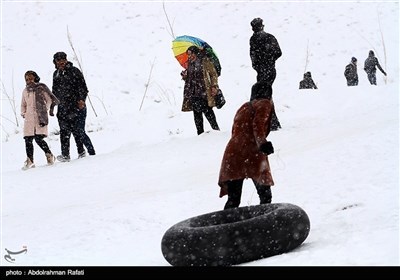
pixel 383 44
pixel 79 63
pixel 147 84
pixel 11 100
pixel 169 22
pixel 307 54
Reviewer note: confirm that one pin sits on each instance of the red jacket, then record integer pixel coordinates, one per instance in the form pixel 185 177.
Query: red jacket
pixel 242 158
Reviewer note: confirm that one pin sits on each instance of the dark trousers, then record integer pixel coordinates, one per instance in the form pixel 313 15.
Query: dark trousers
pixel 235 193
pixel 29 145
pixel 268 75
pixel 372 78
pixel 352 82
pixel 200 106
pixel 76 126
pixel 85 140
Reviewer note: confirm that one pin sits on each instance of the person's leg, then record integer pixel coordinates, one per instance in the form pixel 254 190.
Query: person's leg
pixel 266 75
pixel 275 123
pixel 198 105
pixel 29 153
pixel 198 121
pixel 210 115
pixel 373 78
pixel 65 135
pixel 78 134
pixel 84 138
pixel 29 147
pixel 264 192
pixel 42 144
pixel 234 193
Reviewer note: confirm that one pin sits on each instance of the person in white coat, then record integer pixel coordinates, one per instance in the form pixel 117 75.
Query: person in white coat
pixel 35 104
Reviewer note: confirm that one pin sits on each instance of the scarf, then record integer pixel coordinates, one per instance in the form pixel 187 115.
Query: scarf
pixel 39 90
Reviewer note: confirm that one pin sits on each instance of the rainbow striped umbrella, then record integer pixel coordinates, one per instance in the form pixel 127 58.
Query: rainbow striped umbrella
pixel 182 43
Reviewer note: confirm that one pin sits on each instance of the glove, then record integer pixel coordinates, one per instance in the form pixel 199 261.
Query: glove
pixel 81 104
pixel 267 148
pixel 184 74
pixel 42 124
pixel 384 73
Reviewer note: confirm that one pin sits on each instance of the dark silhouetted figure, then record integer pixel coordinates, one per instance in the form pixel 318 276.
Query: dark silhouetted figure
pixel 350 72
pixel 307 82
pixel 264 51
pixel 370 67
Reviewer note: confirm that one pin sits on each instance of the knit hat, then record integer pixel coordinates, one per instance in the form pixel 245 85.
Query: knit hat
pixel 353 59
pixel 257 24
pixel 60 55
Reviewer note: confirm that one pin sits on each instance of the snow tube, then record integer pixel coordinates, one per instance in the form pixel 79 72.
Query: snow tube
pixel 236 235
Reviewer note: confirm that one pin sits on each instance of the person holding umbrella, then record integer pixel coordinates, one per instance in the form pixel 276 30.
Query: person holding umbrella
pixel 201 86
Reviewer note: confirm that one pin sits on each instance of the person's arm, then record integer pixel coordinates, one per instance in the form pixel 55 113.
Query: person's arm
pixel 23 105
pixel 253 53
pixel 276 49
pixel 82 89
pixel 379 67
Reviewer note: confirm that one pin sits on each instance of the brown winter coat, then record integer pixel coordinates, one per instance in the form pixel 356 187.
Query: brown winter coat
pixel 35 103
pixel 242 157
pixel 209 79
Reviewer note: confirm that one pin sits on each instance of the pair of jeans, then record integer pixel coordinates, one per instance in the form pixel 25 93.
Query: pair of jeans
pixel 74 124
pixel 85 140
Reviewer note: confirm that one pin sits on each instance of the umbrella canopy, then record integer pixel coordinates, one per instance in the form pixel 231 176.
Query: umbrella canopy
pixel 182 43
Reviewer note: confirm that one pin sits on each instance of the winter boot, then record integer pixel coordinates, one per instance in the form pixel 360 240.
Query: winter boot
pixel 50 159
pixel 63 158
pixel 82 155
pixel 28 164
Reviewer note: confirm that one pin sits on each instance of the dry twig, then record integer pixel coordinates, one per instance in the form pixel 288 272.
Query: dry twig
pixel 80 66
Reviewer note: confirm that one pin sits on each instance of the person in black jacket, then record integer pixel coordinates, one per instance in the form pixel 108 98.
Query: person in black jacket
pixel 307 82
pixel 370 67
pixel 350 72
pixel 70 88
pixel 264 51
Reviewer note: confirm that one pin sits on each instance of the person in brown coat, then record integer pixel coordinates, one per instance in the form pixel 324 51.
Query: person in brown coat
pixel 36 101
pixel 201 87
pixel 246 154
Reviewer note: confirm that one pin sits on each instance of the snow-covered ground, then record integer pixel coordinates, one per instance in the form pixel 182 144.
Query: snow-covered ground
pixel 337 156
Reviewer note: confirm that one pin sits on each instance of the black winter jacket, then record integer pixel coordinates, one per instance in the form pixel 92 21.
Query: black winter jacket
pixel 264 50
pixel 371 63
pixel 69 87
